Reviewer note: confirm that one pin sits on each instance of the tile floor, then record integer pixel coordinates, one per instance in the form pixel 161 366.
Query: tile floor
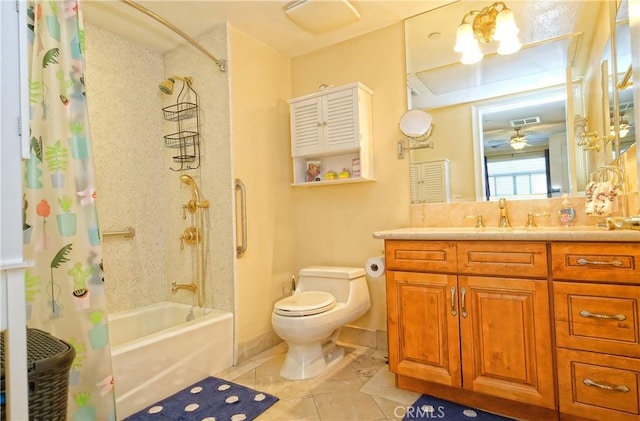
pixel 360 387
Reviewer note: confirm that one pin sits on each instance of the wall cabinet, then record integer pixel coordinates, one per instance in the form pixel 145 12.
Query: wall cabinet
pixel 332 127
pixel 473 317
pixel 596 301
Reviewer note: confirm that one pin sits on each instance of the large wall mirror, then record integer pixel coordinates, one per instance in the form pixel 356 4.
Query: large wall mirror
pixel 507 123
pixel 622 84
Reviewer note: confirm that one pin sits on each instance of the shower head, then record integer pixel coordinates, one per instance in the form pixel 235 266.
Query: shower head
pixel 166 86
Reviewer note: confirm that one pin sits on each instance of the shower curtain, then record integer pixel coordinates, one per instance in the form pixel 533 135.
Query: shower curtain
pixel 64 289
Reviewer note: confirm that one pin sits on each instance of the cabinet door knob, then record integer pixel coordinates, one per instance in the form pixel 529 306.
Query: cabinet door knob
pixel 620 388
pixel 586 313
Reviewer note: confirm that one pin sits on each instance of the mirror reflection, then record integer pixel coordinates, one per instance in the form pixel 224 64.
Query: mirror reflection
pixel 508 119
pixel 623 82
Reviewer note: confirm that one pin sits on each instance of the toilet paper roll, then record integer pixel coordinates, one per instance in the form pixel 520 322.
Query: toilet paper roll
pixel 375 266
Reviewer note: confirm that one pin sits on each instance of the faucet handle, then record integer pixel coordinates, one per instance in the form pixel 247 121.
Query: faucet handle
pixel 531 218
pixel 479 220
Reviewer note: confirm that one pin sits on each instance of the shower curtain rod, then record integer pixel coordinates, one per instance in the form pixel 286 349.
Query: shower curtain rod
pixel 222 64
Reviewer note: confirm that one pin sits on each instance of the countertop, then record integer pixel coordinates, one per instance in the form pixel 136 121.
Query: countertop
pixel 555 233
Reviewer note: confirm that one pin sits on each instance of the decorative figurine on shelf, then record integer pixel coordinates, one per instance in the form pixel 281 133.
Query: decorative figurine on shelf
pixel 313 171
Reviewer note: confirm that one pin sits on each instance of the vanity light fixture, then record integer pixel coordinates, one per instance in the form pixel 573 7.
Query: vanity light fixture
pixel 588 140
pixel 623 126
pixel 492 23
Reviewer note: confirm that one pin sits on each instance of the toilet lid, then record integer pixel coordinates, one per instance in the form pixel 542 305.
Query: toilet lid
pixel 305 304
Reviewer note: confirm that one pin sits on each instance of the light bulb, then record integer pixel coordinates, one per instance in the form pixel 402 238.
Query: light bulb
pixel 505 25
pixel 509 46
pixel 464 37
pixel 472 54
pixel 518 144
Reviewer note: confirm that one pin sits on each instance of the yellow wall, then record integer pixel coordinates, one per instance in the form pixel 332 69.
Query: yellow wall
pixel 334 224
pixel 260 88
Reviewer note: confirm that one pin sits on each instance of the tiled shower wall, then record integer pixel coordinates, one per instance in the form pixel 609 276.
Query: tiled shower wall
pixel 126 134
pixel 135 185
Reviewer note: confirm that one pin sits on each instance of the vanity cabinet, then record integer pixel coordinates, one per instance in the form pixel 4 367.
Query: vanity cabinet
pixel 334 127
pixel 472 316
pixel 596 290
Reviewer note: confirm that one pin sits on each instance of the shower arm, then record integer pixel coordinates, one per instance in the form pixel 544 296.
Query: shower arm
pixel 222 64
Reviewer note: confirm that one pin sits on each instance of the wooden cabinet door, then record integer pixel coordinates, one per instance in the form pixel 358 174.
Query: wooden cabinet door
pixel 424 338
pixel 506 338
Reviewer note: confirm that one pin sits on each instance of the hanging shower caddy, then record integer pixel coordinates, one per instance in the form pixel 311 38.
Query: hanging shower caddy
pixel 186 140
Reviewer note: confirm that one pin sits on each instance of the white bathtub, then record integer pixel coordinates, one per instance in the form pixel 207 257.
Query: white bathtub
pixel 156 352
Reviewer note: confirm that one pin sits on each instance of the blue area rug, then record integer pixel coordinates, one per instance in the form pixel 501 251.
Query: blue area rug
pixel 208 400
pixel 430 408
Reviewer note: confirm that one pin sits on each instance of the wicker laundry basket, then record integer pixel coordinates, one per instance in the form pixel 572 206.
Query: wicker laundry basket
pixel 48 361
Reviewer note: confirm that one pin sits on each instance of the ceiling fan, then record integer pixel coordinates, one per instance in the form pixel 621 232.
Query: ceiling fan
pixel 518 141
pixel 500 140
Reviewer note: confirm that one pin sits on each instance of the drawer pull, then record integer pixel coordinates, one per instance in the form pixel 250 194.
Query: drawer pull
pixel 463 307
pixel 620 317
pixel 453 302
pixel 616 263
pixel 590 382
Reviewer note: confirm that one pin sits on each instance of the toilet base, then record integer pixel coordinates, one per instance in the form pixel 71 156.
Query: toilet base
pixel 305 361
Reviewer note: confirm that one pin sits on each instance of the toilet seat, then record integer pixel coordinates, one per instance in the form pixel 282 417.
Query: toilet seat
pixel 305 304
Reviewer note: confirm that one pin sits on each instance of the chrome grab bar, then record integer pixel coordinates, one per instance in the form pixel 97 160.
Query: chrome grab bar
pixel 127 232
pixel 240 249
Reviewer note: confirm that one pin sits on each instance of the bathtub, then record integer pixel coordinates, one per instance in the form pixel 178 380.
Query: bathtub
pixel 156 352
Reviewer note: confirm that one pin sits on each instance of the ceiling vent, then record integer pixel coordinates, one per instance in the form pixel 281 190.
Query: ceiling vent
pixel 319 16
pixel 524 121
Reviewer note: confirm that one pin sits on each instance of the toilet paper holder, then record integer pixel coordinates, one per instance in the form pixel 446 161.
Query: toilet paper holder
pixel 375 266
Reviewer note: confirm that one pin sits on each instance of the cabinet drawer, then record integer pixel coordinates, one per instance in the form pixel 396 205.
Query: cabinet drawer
pixel 502 258
pixel 420 256
pixel 609 262
pixel 598 386
pixel 597 317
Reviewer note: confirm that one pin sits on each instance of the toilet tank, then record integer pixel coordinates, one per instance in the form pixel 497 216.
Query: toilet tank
pixel 332 279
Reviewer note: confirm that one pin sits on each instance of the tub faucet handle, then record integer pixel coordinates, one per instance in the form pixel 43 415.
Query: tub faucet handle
pixel 191 207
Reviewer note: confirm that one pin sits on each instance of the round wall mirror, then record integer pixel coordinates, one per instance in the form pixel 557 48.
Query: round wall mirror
pixel 416 125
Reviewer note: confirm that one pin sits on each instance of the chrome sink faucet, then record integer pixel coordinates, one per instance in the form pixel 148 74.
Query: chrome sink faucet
pixel 504 215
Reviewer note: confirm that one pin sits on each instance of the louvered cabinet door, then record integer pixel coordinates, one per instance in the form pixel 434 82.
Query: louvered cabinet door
pixel 341 126
pixel 429 182
pixel 307 127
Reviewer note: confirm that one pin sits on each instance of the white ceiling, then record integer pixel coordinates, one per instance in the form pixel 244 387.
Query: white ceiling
pixel 430 59
pixel 264 20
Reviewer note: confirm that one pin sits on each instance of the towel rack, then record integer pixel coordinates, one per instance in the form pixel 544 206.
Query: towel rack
pixel 127 232
pixel 610 173
pixel 239 185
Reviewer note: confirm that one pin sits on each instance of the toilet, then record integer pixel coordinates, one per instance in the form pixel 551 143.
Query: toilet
pixel 325 299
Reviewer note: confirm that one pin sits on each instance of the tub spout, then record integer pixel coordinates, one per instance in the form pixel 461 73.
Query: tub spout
pixel 190 286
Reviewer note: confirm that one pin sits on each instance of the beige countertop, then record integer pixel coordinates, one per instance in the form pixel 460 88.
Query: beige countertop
pixel 555 233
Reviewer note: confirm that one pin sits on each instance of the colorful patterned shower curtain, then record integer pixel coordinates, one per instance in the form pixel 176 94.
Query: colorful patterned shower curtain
pixel 64 290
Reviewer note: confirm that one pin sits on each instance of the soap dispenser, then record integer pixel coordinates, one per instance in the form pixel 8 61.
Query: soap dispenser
pixel 566 214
